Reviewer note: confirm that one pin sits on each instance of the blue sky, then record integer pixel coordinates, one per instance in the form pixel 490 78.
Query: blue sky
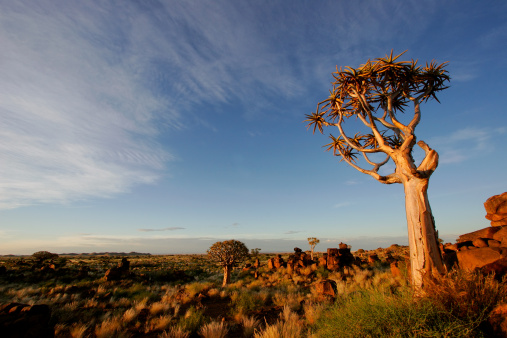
pixel 164 126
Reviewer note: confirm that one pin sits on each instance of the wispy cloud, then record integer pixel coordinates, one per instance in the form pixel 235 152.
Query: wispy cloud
pixel 341 205
pixel 162 229
pixel 466 143
pixel 76 121
pixel 292 232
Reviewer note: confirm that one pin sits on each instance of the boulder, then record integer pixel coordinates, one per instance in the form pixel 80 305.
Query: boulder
pixel 477 258
pixel 496 209
pixel 395 270
pixel 488 232
pixel 498 320
pixel 22 320
pixel 373 258
pixel 326 289
pixel 480 243
pixel 501 234
pixel 271 263
pixel 498 267
pixel 278 262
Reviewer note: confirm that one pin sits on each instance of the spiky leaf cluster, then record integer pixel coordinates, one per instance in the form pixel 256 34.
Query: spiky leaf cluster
pixel 375 93
pixel 228 253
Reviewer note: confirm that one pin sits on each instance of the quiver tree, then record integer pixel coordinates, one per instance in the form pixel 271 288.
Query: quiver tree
pixel 312 241
pixel 42 256
pixel 373 96
pixel 228 254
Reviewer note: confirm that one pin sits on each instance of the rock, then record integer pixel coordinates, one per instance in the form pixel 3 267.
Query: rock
pixel 278 262
pixel 395 270
pixel 498 320
pixel 3 270
pixel 496 209
pixel 488 232
pixel 373 258
pixel 501 234
pixel 498 267
pixel 271 263
pixel 450 259
pixel 343 246
pixel 477 258
pixel 22 320
pixel 480 243
pixel 323 260
pixel 449 246
pixel 326 289
pixel 494 244
pixel 257 263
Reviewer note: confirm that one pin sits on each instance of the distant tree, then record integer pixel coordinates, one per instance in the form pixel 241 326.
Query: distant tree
pixel 255 252
pixel 42 256
pixel 228 254
pixel 373 96
pixel 313 242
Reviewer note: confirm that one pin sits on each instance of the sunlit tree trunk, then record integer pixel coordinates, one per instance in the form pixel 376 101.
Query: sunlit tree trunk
pixel 425 256
pixel 227 275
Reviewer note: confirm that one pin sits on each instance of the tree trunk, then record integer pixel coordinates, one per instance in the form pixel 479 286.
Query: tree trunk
pixel 425 256
pixel 227 275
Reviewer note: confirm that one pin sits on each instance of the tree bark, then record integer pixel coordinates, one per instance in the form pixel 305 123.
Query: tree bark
pixel 425 256
pixel 227 275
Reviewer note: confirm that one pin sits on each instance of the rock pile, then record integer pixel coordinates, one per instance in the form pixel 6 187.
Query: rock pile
pixel 496 209
pixel 339 258
pixel 486 249
pixel 118 272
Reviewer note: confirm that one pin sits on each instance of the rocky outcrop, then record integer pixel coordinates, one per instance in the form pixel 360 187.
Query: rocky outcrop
pixel 484 250
pixel 498 320
pixel 496 209
pixel 22 320
pixel 326 289
pixel 118 272
pixel 339 258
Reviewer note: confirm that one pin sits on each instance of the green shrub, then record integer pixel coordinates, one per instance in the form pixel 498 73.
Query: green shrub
pixel 374 313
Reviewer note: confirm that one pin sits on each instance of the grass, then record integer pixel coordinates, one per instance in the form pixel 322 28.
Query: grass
pixel 181 296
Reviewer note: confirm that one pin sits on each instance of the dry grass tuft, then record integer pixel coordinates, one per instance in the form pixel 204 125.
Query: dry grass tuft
pixel 214 330
pixel 175 332
pixel 467 295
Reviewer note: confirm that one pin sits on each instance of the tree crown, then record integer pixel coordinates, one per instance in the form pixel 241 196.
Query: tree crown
pixel 228 253
pixel 44 255
pixel 375 93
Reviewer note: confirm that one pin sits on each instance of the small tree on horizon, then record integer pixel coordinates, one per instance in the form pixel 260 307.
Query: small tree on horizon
pixel 373 96
pixel 313 241
pixel 228 254
pixel 42 256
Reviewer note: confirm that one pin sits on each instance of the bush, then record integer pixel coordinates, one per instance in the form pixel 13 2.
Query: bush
pixel 44 255
pixel 469 296
pixel 374 313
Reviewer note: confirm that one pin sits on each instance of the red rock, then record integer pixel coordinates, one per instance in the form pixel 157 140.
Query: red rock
pixel 501 234
pixel 480 243
pixel 494 244
pixel 488 232
pixel 496 209
pixel 498 320
pixel 477 258
pixel 326 288
pixel 498 267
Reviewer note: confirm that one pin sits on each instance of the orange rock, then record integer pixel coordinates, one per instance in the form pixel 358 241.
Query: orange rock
pixel 498 320
pixel 488 232
pixel 477 258
pixel 480 243
pixel 501 234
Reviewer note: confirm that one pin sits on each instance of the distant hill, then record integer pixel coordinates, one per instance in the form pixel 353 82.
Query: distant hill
pixel 133 253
